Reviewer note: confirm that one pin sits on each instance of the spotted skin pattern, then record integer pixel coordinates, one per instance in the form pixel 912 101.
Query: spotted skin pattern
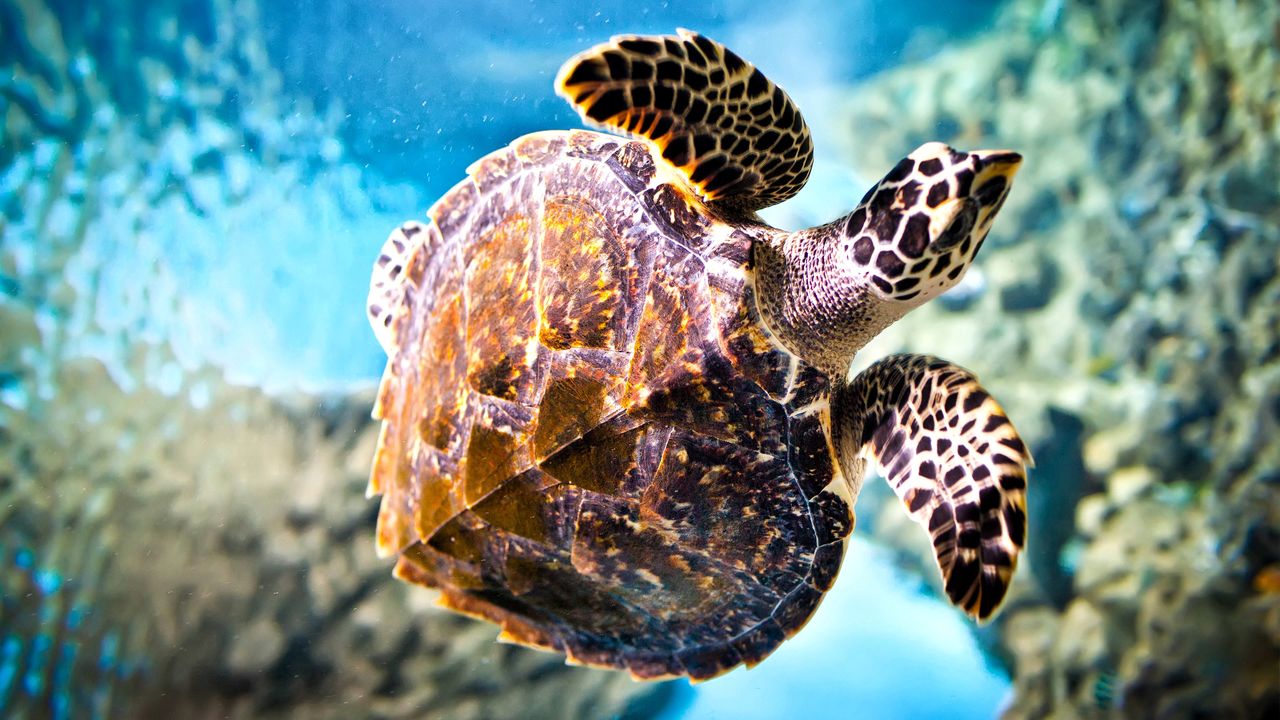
pixel 952 457
pixel 615 418
pixel 736 136
pixel 829 290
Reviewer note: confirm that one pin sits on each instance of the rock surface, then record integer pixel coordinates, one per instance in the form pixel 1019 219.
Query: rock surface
pixel 1132 287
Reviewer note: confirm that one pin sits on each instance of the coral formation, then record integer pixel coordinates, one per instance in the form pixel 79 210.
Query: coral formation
pixel 1133 281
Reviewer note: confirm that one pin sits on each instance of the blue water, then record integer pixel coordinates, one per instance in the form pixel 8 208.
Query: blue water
pixel 876 648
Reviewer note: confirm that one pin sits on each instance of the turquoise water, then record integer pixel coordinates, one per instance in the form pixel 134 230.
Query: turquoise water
pixel 876 647
pixel 192 194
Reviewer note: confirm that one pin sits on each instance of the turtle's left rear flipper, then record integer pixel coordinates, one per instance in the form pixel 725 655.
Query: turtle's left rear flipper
pixel 954 460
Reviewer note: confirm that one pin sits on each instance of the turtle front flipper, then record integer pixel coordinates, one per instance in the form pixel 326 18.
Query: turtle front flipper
pixel 733 133
pixel 953 458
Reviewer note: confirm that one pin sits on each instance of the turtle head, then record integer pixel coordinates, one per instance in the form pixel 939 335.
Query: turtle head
pixel 826 291
pixel 915 233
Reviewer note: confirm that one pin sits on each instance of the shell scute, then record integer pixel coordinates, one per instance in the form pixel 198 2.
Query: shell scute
pixel 634 165
pixel 826 565
pixel 579 396
pixel 521 506
pixel 707 395
pixel 505 358
pixel 615 458
pixel 537 149
pixel 647 567
pixel 679 214
pixel 749 347
pixel 756 644
pixel 586 279
pixel 808 454
pixel 443 370
pixel 673 323
pixel 832 517
pixel 589 145
pixel 496 452
pixel 492 171
pixel 463 538
pixel 796 609
pixel 759 526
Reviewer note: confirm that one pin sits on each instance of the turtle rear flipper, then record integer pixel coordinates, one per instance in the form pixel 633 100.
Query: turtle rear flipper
pixel 386 284
pixel 733 133
pixel 954 460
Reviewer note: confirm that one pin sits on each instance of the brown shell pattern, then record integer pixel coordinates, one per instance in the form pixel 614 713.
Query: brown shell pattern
pixel 589 439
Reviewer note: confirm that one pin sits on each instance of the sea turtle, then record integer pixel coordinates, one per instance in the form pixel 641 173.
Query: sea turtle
pixel 617 413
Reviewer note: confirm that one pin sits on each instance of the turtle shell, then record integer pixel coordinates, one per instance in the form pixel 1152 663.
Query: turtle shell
pixel 589 437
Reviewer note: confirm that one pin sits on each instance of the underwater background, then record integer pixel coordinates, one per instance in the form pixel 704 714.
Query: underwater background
pixel 192 193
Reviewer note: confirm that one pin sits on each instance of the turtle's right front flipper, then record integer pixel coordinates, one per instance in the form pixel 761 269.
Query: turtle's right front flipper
pixel 954 460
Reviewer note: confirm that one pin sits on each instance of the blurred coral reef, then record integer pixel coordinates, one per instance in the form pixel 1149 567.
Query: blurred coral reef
pixel 1131 325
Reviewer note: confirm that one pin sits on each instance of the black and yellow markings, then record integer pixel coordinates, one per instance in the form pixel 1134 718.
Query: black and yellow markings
pixel 735 135
pixel 740 505
pixel 504 359
pixel 584 279
pixel 955 461
pixel 672 324
pixel 442 369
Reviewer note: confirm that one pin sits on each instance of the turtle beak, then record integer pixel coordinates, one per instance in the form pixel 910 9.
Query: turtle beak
pixel 971 211
pixel 1005 158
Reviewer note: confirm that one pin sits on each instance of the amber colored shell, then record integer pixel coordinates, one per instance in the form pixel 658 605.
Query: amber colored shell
pixel 589 437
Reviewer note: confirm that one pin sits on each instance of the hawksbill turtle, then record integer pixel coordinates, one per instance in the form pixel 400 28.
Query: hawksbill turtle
pixel 617 413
